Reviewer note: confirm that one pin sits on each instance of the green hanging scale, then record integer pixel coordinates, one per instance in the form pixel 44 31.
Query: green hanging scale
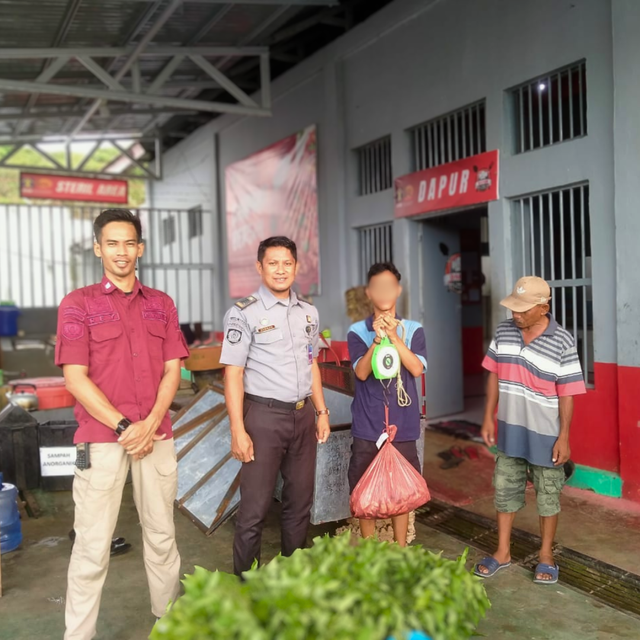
pixel 386 360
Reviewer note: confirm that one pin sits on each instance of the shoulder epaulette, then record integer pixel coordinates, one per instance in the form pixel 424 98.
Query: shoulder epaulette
pixel 246 302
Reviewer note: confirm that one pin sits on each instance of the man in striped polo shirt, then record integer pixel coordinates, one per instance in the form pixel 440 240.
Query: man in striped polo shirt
pixel 534 370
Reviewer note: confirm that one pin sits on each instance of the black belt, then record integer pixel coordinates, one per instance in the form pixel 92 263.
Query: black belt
pixel 270 402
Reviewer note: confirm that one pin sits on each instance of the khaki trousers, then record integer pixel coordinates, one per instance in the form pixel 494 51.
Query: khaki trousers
pixel 97 493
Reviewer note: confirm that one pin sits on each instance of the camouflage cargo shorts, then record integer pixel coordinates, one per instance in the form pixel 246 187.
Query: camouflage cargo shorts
pixel 510 481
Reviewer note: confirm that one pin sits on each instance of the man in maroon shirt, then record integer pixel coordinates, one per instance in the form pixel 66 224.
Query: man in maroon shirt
pixel 120 347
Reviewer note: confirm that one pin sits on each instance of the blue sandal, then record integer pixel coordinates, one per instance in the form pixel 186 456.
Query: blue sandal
pixel 550 569
pixel 491 564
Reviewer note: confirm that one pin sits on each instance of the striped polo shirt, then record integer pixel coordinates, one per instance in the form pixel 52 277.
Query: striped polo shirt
pixel 531 380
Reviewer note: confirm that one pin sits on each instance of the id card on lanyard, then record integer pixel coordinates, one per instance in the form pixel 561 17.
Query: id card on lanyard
pixel 310 353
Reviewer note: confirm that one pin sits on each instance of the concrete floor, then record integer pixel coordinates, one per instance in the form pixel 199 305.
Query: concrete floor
pixel 34 577
pixel 34 583
pixel 605 528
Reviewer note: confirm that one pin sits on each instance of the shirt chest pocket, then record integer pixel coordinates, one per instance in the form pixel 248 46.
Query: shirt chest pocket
pixel 311 330
pixel 156 333
pixel 103 341
pixel 269 337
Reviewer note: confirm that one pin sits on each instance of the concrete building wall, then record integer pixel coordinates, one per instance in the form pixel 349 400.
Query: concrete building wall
pixel 396 71
pixel 455 53
pixel 626 53
pixel 416 60
pixel 190 181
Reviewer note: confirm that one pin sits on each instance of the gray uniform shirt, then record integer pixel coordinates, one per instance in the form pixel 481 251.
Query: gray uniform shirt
pixel 275 341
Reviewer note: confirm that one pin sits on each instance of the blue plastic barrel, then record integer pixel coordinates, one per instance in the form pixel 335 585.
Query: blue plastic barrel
pixel 9 320
pixel 10 526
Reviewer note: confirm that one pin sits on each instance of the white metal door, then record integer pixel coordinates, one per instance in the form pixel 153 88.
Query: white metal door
pixel 442 320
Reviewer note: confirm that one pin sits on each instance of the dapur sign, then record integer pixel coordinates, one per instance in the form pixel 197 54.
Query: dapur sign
pixel 454 185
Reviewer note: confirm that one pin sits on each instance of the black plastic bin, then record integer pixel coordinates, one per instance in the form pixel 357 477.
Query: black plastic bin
pixel 57 434
pixel 19 455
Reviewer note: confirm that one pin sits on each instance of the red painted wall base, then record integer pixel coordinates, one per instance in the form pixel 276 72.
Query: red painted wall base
pixel 595 434
pixel 629 409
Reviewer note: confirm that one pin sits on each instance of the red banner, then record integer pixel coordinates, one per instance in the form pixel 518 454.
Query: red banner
pixel 457 184
pixel 274 192
pixel 51 187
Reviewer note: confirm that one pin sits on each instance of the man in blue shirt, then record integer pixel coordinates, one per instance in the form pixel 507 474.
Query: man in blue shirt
pixel 372 395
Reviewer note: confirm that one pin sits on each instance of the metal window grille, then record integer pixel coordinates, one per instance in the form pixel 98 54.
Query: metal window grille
pixel 551 108
pixel 195 221
pixel 448 138
pixel 376 245
pixel 374 167
pixel 552 239
pixel 168 230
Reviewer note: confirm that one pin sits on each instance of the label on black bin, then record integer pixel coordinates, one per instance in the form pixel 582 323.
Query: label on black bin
pixel 57 461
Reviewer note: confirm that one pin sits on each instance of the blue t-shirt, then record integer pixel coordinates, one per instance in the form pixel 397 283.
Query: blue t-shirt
pixel 367 409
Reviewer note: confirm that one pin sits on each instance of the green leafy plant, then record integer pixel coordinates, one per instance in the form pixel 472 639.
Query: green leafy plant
pixel 333 591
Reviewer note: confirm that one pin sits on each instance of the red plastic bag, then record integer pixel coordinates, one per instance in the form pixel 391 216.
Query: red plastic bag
pixel 391 486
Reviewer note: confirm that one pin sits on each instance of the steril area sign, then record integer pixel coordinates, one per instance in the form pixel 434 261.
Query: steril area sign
pixel 54 187
pixel 463 183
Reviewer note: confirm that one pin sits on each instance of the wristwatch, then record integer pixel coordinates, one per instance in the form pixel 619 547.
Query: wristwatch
pixel 123 425
pixel 323 412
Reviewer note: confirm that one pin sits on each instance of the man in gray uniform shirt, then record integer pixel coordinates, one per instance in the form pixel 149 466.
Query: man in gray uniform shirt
pixel 273 392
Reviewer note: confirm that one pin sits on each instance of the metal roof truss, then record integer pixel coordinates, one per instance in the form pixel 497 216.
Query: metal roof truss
pixel 114 90
pixel 126 153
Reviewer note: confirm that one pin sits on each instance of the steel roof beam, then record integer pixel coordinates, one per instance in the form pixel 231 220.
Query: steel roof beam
pixel 63 29
pixel 224 82
pixel 212 22
pixel 164 75
pixel 161 79
pixel 140 47
pixel 153 170
pixel 49 71
pixel 80 91
pixel 293 3
pixel 75 172
pixel 21 53
pixel 50 158
pixel 96 137
pixel 181 82
pixel 77 113
pixel 11 153
pixel 106 78
pixel 129 155
pixel 266 27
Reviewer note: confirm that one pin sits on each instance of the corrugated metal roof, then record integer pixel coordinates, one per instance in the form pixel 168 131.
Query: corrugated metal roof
pixel 71 24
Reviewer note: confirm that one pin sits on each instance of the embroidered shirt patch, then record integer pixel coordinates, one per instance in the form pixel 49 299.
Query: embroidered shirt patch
pixel 73 330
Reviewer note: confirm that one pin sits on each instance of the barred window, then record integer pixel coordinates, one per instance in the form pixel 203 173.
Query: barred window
pixel 376 245
pixel 456 135
pixel 168 230
pixel 374 167
pixel 552 239
pixel 551 108
pixel 195 221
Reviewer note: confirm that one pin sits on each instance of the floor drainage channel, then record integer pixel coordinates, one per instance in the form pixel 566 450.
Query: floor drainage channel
pixel 609 584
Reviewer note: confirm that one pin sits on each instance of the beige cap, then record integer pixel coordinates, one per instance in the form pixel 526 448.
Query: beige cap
pixel 529 292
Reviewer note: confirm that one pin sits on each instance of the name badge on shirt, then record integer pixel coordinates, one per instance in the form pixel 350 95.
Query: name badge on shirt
pixel 266 329
pixel 310 353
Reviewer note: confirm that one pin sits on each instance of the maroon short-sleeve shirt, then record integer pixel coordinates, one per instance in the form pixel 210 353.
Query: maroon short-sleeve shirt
pixel 125 341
